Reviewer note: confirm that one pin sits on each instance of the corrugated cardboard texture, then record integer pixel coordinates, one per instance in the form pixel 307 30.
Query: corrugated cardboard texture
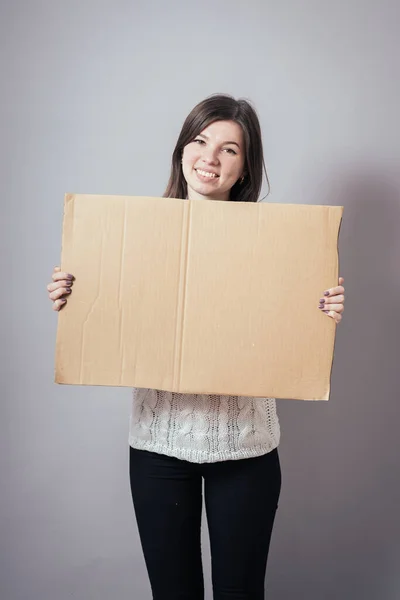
pixel 198 296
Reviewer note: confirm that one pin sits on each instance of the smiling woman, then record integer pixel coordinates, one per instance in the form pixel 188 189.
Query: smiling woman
pixel 219 153
pixel 214 162
pixel 179 440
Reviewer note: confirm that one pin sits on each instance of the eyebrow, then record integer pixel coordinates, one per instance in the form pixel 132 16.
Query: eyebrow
pixel 206 137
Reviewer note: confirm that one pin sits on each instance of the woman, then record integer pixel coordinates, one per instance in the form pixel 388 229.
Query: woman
pixel 177 440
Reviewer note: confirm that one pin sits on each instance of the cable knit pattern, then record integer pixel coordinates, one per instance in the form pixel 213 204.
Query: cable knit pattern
pixel 201 428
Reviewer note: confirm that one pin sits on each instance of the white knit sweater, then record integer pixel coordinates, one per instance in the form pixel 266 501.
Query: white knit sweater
pixel 201 428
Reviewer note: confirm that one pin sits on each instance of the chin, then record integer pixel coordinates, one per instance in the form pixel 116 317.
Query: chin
pixel 204 190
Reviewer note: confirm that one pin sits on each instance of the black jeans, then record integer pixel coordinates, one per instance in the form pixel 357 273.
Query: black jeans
pixel 241 498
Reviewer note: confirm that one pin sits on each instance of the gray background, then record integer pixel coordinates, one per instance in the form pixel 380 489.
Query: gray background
pixel 93 96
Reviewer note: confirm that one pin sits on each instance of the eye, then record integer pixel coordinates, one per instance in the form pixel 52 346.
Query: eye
pixel 199 141
pixel 230 151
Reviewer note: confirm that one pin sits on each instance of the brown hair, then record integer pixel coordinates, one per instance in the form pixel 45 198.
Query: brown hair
pixel 222 107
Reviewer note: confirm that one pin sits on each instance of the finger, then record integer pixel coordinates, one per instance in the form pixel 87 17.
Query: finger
pixel 334 315
pixel 339 308
pixel 335 291
pixel 59 292
pixel 58 304
pixel 341 280
pixel 58 275
pixel 64 283
pixel 333 299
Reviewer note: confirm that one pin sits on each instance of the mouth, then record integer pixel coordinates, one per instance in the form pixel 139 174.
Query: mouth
pixel 206 175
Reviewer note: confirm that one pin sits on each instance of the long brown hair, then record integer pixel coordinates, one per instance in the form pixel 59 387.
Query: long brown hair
pixel 222 107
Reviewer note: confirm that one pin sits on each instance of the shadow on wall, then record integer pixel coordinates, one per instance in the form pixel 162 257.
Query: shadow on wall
pixel 338 526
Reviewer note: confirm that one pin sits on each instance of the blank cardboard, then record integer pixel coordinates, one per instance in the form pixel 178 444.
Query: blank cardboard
pixel 198 296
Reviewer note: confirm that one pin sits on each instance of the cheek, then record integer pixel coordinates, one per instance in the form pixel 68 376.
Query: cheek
pixel 189 157
pixel 233 171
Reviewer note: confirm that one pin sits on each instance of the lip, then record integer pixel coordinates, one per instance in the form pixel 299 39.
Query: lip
pixel 204 177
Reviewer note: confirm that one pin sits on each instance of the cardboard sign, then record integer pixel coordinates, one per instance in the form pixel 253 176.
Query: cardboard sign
pixel 198 296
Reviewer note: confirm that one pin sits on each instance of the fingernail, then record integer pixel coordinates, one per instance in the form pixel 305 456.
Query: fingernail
pixel 68 283
pixel 322 300
pixel 68 290
pixel 325 311
pixel 321 306
pixel 326 293
pixel 69 276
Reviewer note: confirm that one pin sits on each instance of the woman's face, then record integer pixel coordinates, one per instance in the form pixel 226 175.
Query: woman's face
pixel 214 161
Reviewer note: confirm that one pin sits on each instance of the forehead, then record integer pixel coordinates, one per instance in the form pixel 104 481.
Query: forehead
pixel 224 131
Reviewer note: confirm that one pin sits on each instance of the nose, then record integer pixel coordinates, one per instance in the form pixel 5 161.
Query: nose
pixel 210 155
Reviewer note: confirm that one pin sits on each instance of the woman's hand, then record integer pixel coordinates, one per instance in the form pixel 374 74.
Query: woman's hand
pixel 332 302
pixel 60 288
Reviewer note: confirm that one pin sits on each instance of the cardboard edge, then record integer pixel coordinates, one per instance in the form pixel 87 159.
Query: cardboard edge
pixel 57 376
pixel 328 391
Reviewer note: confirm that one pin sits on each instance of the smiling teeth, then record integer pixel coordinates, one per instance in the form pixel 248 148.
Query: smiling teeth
pixel 206 174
